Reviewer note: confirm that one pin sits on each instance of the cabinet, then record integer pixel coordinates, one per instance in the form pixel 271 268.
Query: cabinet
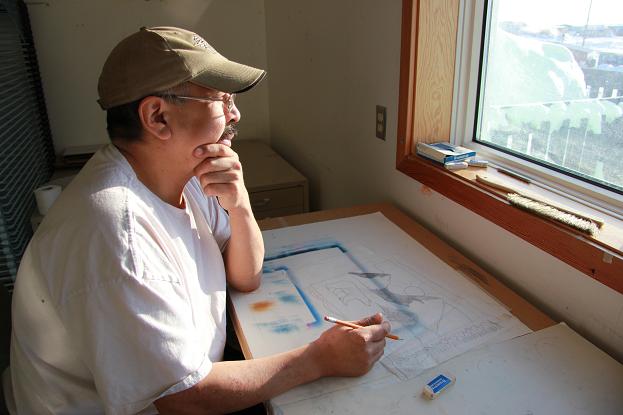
pixel 275 187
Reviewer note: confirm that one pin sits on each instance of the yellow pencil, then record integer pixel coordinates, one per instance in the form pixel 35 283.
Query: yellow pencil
pixel 355 326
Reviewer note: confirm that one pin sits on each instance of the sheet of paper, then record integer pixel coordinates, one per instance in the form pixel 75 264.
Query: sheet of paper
pixel 552 371
pixel 355 267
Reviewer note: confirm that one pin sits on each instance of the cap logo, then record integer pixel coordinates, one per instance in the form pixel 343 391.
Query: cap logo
pixel 199 41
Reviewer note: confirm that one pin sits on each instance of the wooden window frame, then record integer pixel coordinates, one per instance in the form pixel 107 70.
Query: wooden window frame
pixel 428 49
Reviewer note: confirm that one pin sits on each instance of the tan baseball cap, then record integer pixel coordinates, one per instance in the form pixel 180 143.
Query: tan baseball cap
pixel 157 58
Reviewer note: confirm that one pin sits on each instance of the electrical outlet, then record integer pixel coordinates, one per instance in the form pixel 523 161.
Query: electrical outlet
pixel 381 119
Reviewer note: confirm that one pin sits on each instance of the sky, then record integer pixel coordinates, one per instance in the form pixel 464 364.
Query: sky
pixel 545 13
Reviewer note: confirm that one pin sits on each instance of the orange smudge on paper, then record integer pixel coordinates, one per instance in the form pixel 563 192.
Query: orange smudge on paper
pixel 262 305
pixel 426 190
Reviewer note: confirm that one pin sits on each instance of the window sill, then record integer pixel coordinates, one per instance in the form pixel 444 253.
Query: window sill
pixel 600 256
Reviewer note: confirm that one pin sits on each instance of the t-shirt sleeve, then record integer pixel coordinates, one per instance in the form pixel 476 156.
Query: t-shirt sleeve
pixel 217 217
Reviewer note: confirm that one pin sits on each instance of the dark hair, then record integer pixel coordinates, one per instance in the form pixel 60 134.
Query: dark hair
pixel 123 122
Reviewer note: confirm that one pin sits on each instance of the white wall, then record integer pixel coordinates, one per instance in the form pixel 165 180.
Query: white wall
pixel 331 63
pixel 73 39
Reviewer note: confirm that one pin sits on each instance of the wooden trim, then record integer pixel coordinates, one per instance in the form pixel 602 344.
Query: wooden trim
pixel 437 25
pixel 579 252
pixel 424 115
pixel 242 339
pixel 408 60
pixel 427 56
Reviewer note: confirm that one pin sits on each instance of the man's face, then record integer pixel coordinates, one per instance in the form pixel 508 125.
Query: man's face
pixel 197 123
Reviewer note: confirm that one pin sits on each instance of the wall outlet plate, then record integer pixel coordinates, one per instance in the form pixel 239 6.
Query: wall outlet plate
pixel 381 121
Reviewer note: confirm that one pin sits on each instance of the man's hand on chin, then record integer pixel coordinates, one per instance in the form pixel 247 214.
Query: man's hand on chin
pixel 220 175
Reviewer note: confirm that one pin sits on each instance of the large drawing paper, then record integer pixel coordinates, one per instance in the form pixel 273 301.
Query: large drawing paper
pixel 352 268
pixel 551 371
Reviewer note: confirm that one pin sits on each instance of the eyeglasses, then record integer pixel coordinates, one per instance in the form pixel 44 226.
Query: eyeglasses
pixel 227 100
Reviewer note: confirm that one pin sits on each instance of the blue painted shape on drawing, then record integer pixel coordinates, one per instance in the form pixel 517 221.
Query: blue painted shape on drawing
pixel 330 244
pixel 268 269
pixel 317 318
pixel 279 282
pixel 285 328
pixel 287 298
pixel 303 249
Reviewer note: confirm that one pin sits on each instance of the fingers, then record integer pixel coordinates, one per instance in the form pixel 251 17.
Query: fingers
pixel 353 351
pixel 214 176
pixel 378 352
pixel 220 174
pixel 226 176
pixel 212 164
pixel 216 164
pixel 213 150
pixel 219 189
pixel 370 320
pixel 375 328
pixel 379 331
pixel 376 332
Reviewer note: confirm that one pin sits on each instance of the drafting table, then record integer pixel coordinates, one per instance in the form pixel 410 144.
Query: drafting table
pixel 399 393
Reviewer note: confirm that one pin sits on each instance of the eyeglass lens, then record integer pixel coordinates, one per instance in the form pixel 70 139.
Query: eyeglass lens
pixel 229 102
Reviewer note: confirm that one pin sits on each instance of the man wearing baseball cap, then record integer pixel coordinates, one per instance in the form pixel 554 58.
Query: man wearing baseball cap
pixel 119 303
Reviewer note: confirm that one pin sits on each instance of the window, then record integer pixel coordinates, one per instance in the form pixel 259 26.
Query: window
pixel 551 86
pixel 452 88
pixel 530 95
pixel 27 154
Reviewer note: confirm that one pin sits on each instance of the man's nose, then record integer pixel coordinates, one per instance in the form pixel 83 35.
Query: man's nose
pixel 233 115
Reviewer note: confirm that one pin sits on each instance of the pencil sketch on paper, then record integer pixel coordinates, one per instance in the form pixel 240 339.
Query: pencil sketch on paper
pixel 326 277
pixel 352 268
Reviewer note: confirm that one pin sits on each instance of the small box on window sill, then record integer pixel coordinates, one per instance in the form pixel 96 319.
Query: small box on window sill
pixel 444 152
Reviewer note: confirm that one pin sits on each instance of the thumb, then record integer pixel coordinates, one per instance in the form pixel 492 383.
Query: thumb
pixel 199 152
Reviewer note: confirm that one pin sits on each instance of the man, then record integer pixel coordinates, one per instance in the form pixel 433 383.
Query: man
pixel 119 304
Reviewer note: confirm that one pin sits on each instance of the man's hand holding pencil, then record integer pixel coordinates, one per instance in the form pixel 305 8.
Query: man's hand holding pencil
pixel 346 351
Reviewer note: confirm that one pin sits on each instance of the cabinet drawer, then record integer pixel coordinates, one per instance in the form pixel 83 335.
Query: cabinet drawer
pixel 275 213
pixel 277 198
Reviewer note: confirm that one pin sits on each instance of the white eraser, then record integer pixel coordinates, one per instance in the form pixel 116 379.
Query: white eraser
pixel 455 165
pixel 439 384
pixel 477 162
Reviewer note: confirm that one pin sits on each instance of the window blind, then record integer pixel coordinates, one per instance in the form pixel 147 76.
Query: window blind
pixel 26 149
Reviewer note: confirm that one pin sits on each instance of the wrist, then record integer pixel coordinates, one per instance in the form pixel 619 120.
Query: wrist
pixel 242 210
pixel 317 359
pixel 240 204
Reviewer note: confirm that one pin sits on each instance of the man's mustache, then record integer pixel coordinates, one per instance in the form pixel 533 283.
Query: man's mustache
pixel 230 129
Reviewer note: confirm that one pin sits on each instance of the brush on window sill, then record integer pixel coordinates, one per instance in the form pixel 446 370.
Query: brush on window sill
pixel 545 208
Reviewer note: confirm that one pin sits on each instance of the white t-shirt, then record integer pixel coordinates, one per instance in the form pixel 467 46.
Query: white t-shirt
pixel 120 297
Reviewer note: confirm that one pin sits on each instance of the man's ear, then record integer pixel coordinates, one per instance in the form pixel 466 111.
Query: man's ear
pixel 153 113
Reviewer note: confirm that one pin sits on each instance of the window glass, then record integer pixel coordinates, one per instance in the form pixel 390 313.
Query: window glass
pixel 551 86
